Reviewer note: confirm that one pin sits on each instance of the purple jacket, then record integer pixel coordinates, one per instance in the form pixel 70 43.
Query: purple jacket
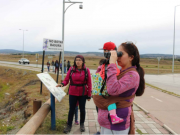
pixel 78 77
pixel 124 87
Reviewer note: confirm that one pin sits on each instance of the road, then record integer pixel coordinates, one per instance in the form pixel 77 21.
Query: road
pixel 163 106
pixel 16 63
pixel 169 82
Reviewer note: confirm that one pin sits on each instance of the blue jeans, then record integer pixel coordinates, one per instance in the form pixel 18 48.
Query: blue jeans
pixel 53 68
pixel 76 113
pixel 48 68
pixel 65 70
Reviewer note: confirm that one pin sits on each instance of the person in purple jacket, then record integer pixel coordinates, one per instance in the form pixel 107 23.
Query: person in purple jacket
pixel 131 83
pixel 79 90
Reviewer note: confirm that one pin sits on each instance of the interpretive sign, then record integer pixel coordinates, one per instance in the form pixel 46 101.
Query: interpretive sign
pixel 49 82
pixel 52 45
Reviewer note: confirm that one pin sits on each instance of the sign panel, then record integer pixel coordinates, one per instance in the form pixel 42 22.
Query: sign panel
pixel 52 45
pixel 159 58
pixel 37 55
pixel 49 82
pixel 50 57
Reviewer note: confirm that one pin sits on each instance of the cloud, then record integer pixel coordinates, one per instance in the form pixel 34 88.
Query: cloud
pixel 150 23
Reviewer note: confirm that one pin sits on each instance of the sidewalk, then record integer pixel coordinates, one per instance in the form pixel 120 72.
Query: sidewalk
pixel 145 124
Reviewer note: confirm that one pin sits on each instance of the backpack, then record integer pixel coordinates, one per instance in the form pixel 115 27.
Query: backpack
pixel 57 64
pixel 85 80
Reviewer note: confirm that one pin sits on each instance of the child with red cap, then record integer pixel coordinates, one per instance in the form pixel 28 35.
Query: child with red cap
pixel 108 46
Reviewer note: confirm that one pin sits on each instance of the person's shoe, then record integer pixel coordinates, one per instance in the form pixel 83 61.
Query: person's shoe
pixel 76 122
pixel 97 133
pixel 82 128
pixel 115 119
pixel 67 129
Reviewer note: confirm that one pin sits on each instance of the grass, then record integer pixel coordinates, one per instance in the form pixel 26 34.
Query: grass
pixel 150 65
pixel 14 118
pixel 61 118
pixel 5 128
pixel 21 125
pixel 16 105
pixel 14 77
pixel 3 88
pixel 140 132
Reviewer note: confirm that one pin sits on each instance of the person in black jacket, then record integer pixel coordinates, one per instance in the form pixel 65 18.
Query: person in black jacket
pixel 68 65
pixel 56 66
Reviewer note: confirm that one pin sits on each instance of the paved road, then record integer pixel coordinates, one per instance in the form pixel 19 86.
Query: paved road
pixel 163 106
pixel 169 82
pixel 16 63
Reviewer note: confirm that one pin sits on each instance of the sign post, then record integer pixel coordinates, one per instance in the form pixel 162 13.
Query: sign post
pixel 37 57
pixel 159 58
pixel 52 45
pixel 42 70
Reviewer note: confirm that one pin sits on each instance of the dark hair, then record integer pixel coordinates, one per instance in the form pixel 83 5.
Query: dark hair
pixel 82 58
pixel 101 61
pixel 132 50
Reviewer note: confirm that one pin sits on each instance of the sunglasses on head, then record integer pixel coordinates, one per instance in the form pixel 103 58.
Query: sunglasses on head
pixel 129 42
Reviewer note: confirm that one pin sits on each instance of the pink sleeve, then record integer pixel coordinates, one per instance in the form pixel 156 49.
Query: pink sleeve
pixel 66 80
pixel 99 69
pixel 127 82
pixel 89 84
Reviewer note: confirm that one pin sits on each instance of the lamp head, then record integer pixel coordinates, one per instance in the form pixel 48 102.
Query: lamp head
pixel 80 6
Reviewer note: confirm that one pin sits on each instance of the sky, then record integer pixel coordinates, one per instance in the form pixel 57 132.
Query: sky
pixel 147 23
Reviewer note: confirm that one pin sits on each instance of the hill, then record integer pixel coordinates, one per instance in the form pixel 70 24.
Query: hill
pixel 71 53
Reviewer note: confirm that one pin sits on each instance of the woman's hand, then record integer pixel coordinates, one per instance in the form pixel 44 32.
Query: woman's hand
pixel 113 57
pixel 88 99
pixel 59 85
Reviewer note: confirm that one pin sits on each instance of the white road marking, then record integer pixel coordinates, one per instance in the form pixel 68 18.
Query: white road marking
pixel 157 99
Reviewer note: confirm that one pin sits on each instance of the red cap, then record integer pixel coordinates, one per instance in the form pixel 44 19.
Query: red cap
pixel 108 46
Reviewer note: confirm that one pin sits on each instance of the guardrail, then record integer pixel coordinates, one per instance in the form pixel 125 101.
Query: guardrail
pixel 33 124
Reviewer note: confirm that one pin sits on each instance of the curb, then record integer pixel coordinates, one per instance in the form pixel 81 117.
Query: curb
pixel 164 125
pixel 141 108
pixel 169 129
pixel 159 89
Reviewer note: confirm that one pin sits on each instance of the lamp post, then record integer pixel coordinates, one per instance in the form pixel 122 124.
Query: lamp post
pixel 64 11
pixel 174 38
pixel 53 120
pixel 23 40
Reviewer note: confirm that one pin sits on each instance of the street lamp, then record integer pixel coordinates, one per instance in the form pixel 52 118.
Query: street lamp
pixel 64 11
pixel 53 121
pixel 23 40
pixel 174 38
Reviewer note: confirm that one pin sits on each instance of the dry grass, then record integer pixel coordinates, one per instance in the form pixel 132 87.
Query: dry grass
pixel 61 118
pixel 12 80
pixel 150 65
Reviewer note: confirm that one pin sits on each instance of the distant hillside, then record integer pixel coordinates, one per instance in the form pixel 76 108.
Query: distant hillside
pixel 165 56
pixel 71 53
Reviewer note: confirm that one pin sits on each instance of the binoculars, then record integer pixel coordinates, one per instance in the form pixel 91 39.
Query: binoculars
pixel 108 54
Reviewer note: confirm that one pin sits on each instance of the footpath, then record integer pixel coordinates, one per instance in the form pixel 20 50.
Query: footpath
pixel 144 123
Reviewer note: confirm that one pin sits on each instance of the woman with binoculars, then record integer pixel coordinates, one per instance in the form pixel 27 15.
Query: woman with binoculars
pixel 122 86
